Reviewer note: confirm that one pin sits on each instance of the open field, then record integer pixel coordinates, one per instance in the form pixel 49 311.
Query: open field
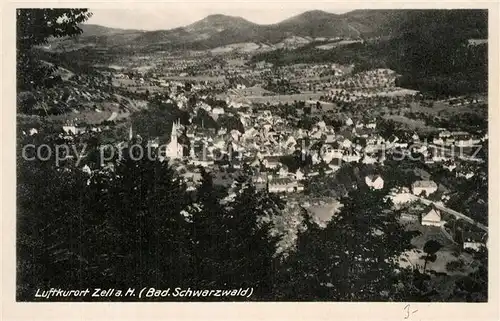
pixel 103 111
pixel 238 47
pixel 196 78
pixel 332 45
pixel 249 91
pixel 444 108
pixel 236 62
pixel 323 213
pixel 395 92
pixel 276 99
pixel 90 117
pixel 345 69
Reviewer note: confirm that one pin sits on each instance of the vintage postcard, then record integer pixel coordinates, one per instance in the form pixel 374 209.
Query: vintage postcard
pixel 257 152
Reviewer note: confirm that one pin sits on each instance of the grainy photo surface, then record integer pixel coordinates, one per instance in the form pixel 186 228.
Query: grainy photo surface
pixel 252 155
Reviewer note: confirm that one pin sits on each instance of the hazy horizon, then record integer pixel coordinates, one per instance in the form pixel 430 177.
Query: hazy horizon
pixel 148 18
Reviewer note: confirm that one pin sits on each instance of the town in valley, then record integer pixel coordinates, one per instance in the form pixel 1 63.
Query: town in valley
pixel 326 157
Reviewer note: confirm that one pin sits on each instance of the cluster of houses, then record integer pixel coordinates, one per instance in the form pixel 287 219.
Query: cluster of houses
pixel 267 139
pixel 267 130
pixel 459 139
pixel 339 95
pixel 376 78
pixel 432 214
pixel 300 71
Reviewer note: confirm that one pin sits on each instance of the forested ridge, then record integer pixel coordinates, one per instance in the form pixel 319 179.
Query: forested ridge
pixel 429 48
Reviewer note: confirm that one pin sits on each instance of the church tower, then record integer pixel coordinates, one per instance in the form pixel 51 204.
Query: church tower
pixel 174 149
pixel 173 135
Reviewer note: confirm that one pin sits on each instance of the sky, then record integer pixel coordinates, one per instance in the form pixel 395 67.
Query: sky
pixel 172 15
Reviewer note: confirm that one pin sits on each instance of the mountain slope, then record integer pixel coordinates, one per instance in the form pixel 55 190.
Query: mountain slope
pixel 91 30
pixel 318 24
pixel 207 33
pixel 237 30
pixel 218 22
pixel 429 48
pixel 376 23
pixel 221 30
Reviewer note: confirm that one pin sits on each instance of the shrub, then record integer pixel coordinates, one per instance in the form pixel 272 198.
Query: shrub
pixel 455 266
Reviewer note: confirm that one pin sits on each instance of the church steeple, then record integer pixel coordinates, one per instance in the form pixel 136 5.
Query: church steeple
pixel 175 127
pixel 174 131
pixel 174 149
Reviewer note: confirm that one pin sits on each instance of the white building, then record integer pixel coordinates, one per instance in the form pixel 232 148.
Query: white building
pixel 346 143
pixel 271 162
pixel 174 150
pixel 351 158
pixel 235 134
pixel 86 169
pixel 284 185
pixel 432 218
pixel 299 175
pixel 474 241
pixel 329 154
pixel 467 142
pixel 428 187
pixel 369 160
pixel 467 175
pixel 444 134
pixel 69 130
pixel 217 111
pixel 402 198
pixel 283 172
pixel 450 167
pixel 374 181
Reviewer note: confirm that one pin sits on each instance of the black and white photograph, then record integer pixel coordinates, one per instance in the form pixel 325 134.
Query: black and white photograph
pixel 265 153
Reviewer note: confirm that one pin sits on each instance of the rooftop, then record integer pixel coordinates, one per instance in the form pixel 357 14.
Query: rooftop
pixel 424 184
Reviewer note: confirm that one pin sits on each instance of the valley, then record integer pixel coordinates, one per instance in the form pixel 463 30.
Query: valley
pixel 314 159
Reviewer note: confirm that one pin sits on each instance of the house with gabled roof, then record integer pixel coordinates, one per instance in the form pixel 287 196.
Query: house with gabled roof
pixel 346 143
pixel 351 156
pixel 432 217
pixel 444 134
pixel 474 240
pixel 284 185
pixel 368 159
pixel 283 171
pixel 359 124
pixel 374 181
pixel 271 161
pixel 419 187
pixel 371 125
